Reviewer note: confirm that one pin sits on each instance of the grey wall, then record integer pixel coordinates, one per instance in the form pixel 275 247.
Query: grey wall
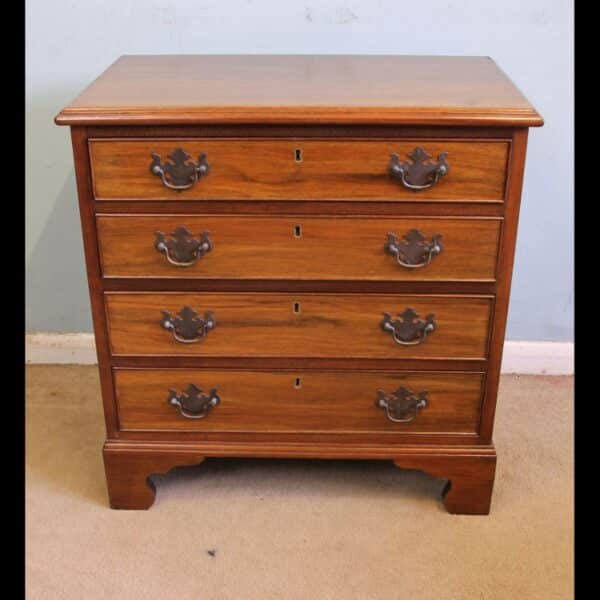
pixel 70 43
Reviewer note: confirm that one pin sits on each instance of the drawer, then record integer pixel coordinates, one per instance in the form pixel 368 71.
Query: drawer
pixel 299 325
pixel 296 169
pixel 317 401
pixel 334 248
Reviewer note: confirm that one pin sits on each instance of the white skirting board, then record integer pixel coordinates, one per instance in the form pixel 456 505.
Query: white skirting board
pixel 527 358
pixel 60 349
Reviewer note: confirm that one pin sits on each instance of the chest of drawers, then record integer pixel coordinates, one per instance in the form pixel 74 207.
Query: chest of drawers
pixel 300 256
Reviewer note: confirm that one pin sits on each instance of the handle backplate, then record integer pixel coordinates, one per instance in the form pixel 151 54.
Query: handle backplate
pixel 193 403
pixel 188 327
pixel 413 251
pixel 407 330
pixel 421 173
pixel 181 248
pixel 403 405
pixel 179 173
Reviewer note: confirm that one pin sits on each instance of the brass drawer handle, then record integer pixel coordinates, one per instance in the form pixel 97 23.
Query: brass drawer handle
pixel 188 327
pixel 401 406
pixel 407 331
pixel 421 173
pixel 181 249
pixel 413 251
pixel 179 173
pixel 193 403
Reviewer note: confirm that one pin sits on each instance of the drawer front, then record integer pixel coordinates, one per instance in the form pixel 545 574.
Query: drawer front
pixel 297 169
pixel 270 401
pixel 423 249
pixel 299 325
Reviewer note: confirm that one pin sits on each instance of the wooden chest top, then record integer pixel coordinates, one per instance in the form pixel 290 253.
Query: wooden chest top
pixel 411 90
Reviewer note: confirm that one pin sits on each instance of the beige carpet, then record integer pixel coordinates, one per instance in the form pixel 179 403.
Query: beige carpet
pixel 251 529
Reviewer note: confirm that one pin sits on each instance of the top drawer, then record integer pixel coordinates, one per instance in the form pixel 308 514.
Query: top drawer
pixel 298 169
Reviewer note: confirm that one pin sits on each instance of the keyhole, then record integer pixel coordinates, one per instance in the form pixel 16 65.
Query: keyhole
pixel 297 231
pixel 297 308
pixel 298 383
pixel 298 154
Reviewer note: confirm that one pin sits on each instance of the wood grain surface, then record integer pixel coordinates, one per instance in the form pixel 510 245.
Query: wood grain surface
pixel 266 169
pixel 425 90
pixel 470 478
pixel 298 248
pixel 327 325
pixel 297 401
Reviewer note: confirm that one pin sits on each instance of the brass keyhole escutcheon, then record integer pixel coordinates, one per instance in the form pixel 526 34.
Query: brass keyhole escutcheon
pixel 296 308
pixel 298 155
pixel 297 231
pixel 298 383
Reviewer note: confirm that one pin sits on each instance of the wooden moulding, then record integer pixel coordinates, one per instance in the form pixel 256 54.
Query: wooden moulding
pixel 423 90
pixel 470 471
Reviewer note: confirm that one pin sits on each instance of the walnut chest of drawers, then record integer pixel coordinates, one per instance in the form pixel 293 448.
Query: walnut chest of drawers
pixel 300 256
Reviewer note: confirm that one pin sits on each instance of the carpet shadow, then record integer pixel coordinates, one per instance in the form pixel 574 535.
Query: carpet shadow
pixel 306 478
